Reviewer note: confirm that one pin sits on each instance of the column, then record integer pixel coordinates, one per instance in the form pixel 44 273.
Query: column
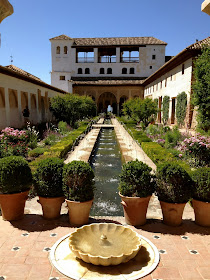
pixel 95 55
pixel 129 96
pixel 20 119
pixel 117 55
pixel 118 108
pixel 7 106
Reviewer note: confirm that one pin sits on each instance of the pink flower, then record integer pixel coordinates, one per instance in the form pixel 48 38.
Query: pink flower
pixel 180 155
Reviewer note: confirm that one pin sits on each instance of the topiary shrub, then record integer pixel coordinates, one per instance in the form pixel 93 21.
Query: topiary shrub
pixel 136 179
pixel 201 190
pixel 78 183
pixel 47 179
pixel 15 175
pixel 173 183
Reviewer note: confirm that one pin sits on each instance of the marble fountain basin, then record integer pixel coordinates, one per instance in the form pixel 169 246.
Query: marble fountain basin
pixel 105 244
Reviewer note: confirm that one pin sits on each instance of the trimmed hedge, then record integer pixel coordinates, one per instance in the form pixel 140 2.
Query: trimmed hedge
pixel 158 155
pixel 61 148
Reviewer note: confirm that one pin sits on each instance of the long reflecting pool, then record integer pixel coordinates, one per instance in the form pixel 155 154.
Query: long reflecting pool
pixel 106 162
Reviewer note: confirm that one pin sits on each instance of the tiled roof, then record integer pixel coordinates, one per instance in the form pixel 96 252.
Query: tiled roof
pixel 61 37
pixel 200 44
pixel 109 82
pixel 113 41
pixel 20 71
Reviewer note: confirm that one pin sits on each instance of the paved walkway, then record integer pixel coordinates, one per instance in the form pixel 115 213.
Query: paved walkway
pixel 25 245
pixel 129 148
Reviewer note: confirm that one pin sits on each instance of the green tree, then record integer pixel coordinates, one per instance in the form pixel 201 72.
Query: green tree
pixel 201 89
pixel 71 108
pixel 140 110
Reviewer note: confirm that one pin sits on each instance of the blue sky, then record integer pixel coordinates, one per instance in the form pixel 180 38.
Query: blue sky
pixel 25 35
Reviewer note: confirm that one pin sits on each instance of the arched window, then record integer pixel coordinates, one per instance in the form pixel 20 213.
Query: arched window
pixel 132 70
pixel 87 70
pixel 101 70
pixel 65 50
pixel 109 70
pixel 58 50
pixel 79 71
pixel 124 71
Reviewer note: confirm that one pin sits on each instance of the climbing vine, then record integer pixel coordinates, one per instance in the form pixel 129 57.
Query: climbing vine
pixel 181 107
pixel 166 100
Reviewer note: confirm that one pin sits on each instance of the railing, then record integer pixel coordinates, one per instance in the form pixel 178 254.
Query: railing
pixel 130 59
pixel 85 59
pixel 107 59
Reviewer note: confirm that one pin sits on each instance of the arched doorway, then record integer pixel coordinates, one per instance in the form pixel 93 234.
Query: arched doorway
pixel 106 99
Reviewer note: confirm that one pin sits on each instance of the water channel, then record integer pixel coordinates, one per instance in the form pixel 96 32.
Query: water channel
pixel 107 163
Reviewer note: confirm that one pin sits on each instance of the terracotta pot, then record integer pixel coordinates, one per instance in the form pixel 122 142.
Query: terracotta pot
pixel 135 209
pixel 172 213
pixel 202 212
pixel 79 212
pixel 51 206
pixel 12 205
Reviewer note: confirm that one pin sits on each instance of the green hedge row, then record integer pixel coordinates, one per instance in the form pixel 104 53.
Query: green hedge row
pixel 61 148
pixel 155 152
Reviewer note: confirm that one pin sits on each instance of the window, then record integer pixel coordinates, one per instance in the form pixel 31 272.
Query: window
pixel 171 77
pixel 84 55
pixel 62 78
pixel 129 54
pixel 124 71
pixel 157 87
pixel 87 70
pixel 79 71
pixel 107 55
pixel 102 71
pixel 166 82
pixel 58 50
pixel 153 56
pixel 132 70
pixel 109 71
pixel 182 69
pixel 150 67
pixel 161 84
pixel 65 50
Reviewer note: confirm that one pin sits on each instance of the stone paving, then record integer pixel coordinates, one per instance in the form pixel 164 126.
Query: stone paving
pixel 25 246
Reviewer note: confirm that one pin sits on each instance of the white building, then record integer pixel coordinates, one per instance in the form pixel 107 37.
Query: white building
pixel 19 89
pixel 174 77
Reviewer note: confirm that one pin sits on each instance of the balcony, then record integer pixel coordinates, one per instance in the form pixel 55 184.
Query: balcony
pixel 85 59
pixel 129 59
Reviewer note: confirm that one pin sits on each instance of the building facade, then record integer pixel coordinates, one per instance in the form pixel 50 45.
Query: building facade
pixel 110 70
pixel 18 90
pixel 174 77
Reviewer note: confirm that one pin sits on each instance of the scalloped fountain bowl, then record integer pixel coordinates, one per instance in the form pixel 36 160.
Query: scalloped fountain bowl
pixel 105 244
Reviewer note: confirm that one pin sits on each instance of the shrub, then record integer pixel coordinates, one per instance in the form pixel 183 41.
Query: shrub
pixel 172 137
pixel 48 178
pixel 181 107
pixel 201 178
pixel 15 175
pixel 136 179
pixel 36 152
pixel 13 142
pixel 32 135
pixel 174 185
pixel 63 127
pixel 78 184
pixel 166 100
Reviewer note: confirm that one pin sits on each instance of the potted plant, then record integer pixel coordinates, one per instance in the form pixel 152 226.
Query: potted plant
pixel 174 187
pixel 136 187
pixel 201 196
pixel 78 188
pixel 47 181
pixel 15 182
